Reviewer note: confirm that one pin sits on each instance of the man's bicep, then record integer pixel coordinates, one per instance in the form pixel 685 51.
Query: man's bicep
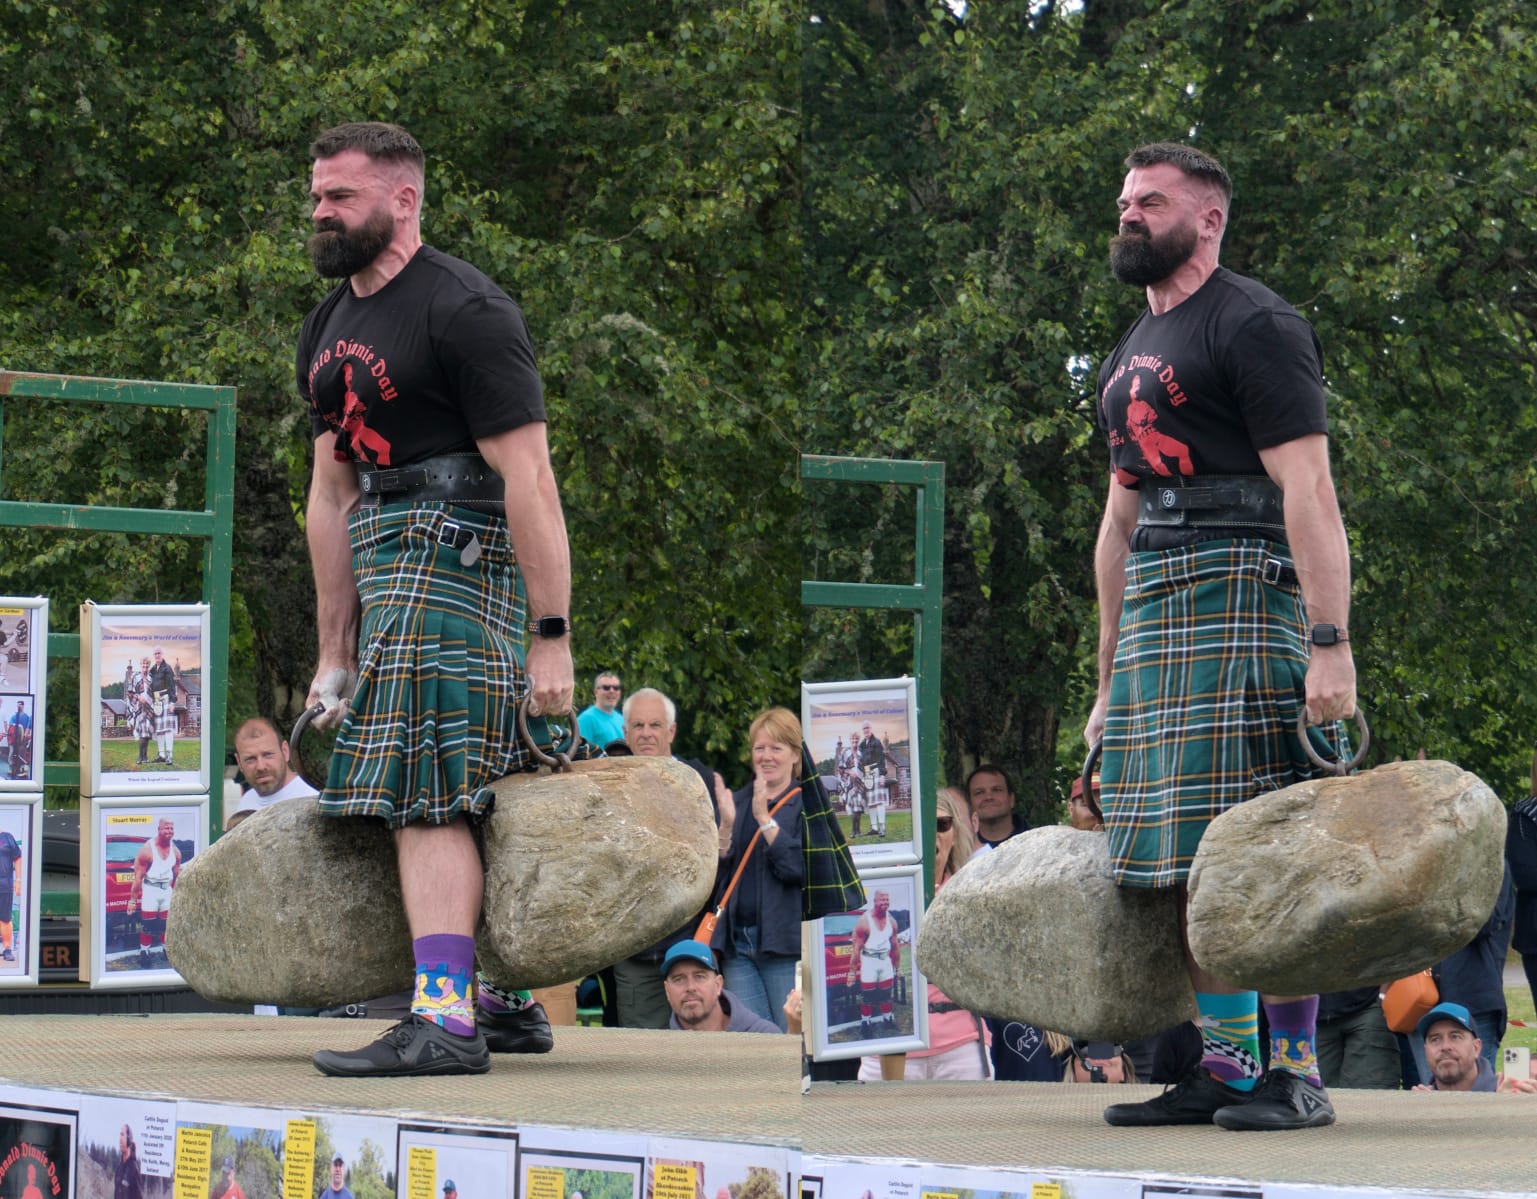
pixel 517 453
pixel 1299 463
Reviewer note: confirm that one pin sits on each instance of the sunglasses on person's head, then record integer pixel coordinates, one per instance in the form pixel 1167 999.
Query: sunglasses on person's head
pixel 943 824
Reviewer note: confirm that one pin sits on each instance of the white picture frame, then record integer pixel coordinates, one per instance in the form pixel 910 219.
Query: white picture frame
pixel 115 915
pixel 837 1004
pixel 23 692
pixel 127 719
pixel 880 812
pixel 21 833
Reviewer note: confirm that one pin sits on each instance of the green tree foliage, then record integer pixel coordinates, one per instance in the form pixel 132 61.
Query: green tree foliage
pixel 628 173
pixel 962 166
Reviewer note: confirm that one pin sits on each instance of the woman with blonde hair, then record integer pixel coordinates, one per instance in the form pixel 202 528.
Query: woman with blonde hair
pixel 759 935
pixel 958 1039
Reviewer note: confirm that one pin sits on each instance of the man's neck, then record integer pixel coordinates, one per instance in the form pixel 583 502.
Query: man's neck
pixel 1182 284
pixel 389 264
pixel 996 828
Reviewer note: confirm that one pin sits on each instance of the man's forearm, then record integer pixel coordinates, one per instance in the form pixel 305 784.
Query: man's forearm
pixel 336 589
pixel 1320 552
pixel 537 527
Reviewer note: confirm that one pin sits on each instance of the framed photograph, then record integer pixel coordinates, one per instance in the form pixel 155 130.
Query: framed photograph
pixel 863 738
pixel 142 730
pixel 23 688
pixel 866 993
pixel 132 851
pixel 21 873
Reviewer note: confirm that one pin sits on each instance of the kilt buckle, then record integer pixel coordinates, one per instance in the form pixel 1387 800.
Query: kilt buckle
pixel 456 537
pixel 1278 573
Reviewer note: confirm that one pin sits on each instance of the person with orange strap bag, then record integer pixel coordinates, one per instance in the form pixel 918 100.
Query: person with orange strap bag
pixel 756 925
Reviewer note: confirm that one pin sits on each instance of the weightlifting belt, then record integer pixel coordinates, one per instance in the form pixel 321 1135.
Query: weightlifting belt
pixel 1212 501
pixel 447 478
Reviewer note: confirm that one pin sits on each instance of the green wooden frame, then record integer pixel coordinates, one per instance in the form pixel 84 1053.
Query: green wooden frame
pixel 924 597
pixel 214 523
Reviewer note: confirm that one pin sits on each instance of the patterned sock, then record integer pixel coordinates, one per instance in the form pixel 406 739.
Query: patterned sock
pixel 493 998
pixel 1230 1037
pixel 1293 1033
pixel 445 964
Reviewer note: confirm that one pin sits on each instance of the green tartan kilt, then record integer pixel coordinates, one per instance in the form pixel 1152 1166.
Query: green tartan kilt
pixel 433 719
pixel 1207 684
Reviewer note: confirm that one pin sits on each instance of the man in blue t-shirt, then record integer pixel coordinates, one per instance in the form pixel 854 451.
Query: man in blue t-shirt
pixel 602 722
pixel 337 1189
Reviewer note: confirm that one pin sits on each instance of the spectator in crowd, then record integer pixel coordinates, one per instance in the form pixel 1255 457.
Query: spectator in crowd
pixel 961 803
pixel 263 758
pixel 650 724
pixel 759 934
pixel 1079 814
pixel 958 1039
pixel 338 1186
pixel 992 800
pixel 1473 978
pixel 1457 1061
pixel 697 995
pixel 1355 1047
pixel 1521 856
pixel 1092 1061
pixel 601 721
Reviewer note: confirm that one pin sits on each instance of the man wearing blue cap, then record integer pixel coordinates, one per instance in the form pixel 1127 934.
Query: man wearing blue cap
pixel 698 997
pixel 1453 1051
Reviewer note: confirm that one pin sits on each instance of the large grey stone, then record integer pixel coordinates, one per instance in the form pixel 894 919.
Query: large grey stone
pixel 296 908
pixel 1347 882
pixel 1037 931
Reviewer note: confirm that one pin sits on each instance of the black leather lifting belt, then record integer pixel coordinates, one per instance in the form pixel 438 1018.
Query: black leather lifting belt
pixel 1212 501
pixel 448 478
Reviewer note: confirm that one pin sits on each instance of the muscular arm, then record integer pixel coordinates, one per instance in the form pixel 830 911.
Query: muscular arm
pixel 140 869
pixel 538 530
pixel 1110 577
pixel 333 496
pixel 1322 558
pixel 857 940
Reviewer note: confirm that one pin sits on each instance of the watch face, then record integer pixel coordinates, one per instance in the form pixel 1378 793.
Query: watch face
pixel 552 626
pixel 1325 634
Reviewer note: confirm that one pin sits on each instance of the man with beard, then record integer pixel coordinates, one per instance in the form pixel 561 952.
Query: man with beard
pixel 264 759
pixel 162 690
pixel 1223 593
pixel 420 605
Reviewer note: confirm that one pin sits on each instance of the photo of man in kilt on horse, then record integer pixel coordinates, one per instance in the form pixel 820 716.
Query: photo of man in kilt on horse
pixel 1224 588
pixel 436 533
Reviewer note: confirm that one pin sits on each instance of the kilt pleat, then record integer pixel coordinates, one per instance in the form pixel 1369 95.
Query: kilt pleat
pixel 440 670
pixel 1208 680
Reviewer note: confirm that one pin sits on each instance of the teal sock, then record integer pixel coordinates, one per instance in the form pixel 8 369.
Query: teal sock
pixel 1229 1027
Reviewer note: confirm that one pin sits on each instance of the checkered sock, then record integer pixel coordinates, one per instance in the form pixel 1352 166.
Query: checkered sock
pixel 497 999
pixel 445 966
pixel 1230 1037
pixel 1293 1035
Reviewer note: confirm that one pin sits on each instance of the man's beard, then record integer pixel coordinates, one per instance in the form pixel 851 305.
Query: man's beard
pixel 337 253
pixel 1142 260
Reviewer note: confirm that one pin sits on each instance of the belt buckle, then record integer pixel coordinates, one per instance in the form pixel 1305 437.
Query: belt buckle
pixel 448 534
pixel 1272 572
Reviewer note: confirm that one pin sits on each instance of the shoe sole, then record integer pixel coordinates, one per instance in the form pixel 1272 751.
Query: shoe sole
pixel 1140 1121
pixel 1319 1119
pixel 521 1045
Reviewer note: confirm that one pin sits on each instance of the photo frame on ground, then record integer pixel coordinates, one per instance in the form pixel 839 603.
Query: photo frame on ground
pixel 863 738
pixel 867 995
pixel 23 691
pixel 132 850
pixel 142 717
pixel 21 875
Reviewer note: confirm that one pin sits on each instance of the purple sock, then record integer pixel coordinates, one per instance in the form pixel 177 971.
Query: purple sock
pixel 1293 1037
pixel 445 967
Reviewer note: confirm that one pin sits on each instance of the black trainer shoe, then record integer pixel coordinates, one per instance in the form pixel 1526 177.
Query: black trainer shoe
pixel 526 1030
pixel 1194 1099
pixel 414 1046
pixel 1282 1100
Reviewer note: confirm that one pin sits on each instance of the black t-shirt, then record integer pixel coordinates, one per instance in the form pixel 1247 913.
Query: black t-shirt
pixel 436 358
pixel 1202 388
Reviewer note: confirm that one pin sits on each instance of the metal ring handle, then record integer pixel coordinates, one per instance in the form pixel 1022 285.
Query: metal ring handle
pixel 1340 767
pixel 1086 777
pixel 296 746
pixel 558 759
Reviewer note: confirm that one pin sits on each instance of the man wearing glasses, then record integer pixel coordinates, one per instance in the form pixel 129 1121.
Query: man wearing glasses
pixel 602 722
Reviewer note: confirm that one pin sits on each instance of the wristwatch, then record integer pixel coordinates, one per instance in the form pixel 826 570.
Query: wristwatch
pixel 1327 634
pixel 551 626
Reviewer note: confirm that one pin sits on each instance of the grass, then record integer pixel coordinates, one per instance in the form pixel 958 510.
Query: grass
pixel 1518 1001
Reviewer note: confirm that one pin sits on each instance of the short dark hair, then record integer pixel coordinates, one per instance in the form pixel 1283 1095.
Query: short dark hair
pixel 380 141
pixel 989 768
pixel 1187 159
